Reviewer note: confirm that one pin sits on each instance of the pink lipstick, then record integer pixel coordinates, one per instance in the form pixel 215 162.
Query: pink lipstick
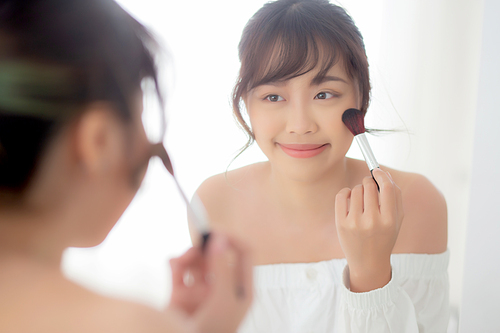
pixel 302 150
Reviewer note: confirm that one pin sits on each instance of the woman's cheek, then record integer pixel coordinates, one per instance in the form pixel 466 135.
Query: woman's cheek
pixel 340 135
pixel 263 125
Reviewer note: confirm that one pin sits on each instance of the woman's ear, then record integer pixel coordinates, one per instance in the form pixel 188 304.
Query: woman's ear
pixel 98 139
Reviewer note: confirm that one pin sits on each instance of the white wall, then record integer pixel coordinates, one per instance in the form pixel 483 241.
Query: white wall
pixel 481 293
pixel 425 79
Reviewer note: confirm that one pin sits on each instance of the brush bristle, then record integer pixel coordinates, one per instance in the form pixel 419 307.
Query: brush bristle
pixel 354 120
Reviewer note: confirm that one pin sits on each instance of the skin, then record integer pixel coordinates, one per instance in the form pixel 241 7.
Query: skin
pixel 324 207
pixel 86 179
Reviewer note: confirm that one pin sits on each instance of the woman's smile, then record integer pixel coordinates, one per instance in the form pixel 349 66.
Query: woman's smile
pixel 303 150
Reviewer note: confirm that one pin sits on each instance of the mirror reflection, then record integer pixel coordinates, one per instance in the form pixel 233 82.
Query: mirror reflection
pixel 416 90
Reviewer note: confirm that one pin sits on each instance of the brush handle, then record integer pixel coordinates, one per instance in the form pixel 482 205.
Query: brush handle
pixel 200 214
pixel 367 154
pixel 367 151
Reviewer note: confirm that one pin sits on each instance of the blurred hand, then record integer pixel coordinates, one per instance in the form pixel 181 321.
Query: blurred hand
pixel 190 286
pixel 368 224
pixel 214 288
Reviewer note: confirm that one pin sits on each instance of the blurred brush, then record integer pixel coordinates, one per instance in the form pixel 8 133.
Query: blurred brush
pixel 196 208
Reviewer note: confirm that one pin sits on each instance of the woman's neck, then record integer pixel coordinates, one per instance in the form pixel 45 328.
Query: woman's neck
pixel 31 236
pixel 304 196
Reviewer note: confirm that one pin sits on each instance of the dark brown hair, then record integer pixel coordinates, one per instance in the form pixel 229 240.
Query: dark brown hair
pixel 288 38
pixel 56 56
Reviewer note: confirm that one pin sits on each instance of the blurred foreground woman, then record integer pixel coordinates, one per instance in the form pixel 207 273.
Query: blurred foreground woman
pixel 73 153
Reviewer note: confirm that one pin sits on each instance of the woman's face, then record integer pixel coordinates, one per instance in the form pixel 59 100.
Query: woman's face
pixel 298 123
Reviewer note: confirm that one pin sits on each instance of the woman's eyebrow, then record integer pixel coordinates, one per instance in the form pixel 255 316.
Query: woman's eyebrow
pixel 322 79
pixel 279 83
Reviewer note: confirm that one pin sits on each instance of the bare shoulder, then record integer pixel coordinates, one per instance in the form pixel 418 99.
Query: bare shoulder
pixel 425 226
pixel 225 195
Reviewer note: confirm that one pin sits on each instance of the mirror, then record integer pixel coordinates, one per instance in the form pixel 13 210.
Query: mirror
pixel 424 62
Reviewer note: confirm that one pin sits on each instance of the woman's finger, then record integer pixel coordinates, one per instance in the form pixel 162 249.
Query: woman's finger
pixel 191 261
pixel 388 201
pixel 189 257
pixel 370 195
pixel 356 204
pixel 342 204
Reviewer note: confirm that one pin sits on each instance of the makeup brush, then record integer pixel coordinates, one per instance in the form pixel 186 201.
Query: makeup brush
pixel 196 208
pixel 355 122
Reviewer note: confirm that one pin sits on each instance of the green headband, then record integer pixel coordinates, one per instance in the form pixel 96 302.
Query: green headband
pixel 39 90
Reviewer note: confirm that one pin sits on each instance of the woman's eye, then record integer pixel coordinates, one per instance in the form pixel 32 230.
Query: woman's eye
pixel 324 95
pixel 274 98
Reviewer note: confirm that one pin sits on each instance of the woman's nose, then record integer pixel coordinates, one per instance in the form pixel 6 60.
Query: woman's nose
pixel 300 120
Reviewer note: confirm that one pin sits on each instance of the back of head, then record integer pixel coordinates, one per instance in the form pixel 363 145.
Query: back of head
pixel 57 56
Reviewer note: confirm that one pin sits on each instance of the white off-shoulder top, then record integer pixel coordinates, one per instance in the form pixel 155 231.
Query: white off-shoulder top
pixel 315 298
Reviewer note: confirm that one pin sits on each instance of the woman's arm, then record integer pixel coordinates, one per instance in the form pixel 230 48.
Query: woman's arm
pixel 413 297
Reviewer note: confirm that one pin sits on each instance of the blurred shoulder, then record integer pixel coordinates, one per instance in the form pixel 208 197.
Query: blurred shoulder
pixel 110 315
pixel 425 223
pixel 106 314
pixel 54 304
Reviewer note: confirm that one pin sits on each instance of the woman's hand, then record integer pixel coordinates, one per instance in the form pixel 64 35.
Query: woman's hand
pixel 214 288
pixel 368 224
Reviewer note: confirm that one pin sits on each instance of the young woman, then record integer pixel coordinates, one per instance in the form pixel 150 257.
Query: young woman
pixel 73 153
pixel 332 253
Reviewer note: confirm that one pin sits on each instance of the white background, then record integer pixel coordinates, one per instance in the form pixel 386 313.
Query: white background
pixel 424 60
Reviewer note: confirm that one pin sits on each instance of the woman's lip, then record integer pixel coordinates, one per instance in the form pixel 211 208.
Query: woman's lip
pixel 302 146
pixel 303 150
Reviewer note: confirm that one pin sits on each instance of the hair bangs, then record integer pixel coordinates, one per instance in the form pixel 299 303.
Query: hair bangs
pixel 290 53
